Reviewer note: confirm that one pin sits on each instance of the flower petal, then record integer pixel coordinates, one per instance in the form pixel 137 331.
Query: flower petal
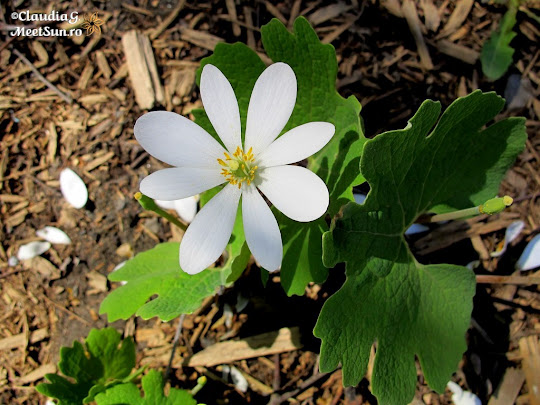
pixel 180 182
pixel 261 230
pixel 297 192
pixel 186 208
pixel 530 258
pixel 53 235
pixel 221 106
pixel 208 234
pixel 73 188
pixel 32 249
pixel 177 141
pixel 270 106
pixel 297 144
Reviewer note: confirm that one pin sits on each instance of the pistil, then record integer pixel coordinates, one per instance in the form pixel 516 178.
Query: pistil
pixel 239 167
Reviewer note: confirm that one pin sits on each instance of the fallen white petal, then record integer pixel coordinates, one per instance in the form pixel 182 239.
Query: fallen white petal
pixel 228 315
pixel 512 232
pixel 416 228
pixel 473 265
pixel 296 191
pixel 180 182
pixel 261 230
pixel 32 249
pixel 297 144
pixel 530 258
pixel 241 303
pixel 54 235
pixel 221 106
pixel 186 208
pixel 461 397
pixel 359 198
pixel 73 188
pixel 176 140
pixel 13 261
pixel 270 106
pixel 208 234
pixel 237 378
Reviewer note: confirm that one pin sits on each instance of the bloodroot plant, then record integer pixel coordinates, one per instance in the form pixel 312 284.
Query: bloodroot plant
pixel 258 123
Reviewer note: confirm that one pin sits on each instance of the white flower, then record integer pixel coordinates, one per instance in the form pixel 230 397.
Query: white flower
pixel 261 163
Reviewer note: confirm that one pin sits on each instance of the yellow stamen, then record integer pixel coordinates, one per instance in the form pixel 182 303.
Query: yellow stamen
pixel 238 167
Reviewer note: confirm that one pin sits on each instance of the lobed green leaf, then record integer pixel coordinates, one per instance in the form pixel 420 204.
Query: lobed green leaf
pixel 497 54
pixel 389 299
pixel 152 384
pixel 103 361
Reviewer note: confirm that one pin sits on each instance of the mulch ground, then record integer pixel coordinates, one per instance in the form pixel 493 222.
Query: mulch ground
pixel 84 120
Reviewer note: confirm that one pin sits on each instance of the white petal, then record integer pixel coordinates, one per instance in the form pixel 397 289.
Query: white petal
pixel 54 235
pixel 462 397
pixel 297 144
pixel 180 182
pixel 13 261
pixel 261 230
pixel 32 249
pixel 512 232
pixel 530 258
pixel 270 106
pixel 176 140
pixel 186 208
pixel 73 188
pixel 237 377
pixel 297 192
pixel 359 198
pixel 221 106
pixel 208 234
pixel 416 228
pixel 166 205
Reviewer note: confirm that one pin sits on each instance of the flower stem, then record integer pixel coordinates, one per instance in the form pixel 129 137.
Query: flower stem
pixel 490 207
pixel 150 205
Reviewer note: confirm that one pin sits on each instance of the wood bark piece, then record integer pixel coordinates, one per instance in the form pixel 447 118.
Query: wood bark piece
pixel 284 340
pixel 231 9
pixel 515 280
pixel 167 21
pixel 458 16
pixel 37 374
pixel 411 15
pixel 19 340
pixel 327 13
pixel 432 18
pixel 508 390
pixel 142 69
pixel 530 353
pixel 458 51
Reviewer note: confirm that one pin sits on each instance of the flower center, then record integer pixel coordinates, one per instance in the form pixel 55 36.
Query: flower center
pixel 239 167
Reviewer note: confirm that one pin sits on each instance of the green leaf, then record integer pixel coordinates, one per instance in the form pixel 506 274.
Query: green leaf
pixel 337 163
pixel 152 384
pixel 315 66
pixel 105 359
pixel 157 272
pixel 497 53
pixel 407 308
